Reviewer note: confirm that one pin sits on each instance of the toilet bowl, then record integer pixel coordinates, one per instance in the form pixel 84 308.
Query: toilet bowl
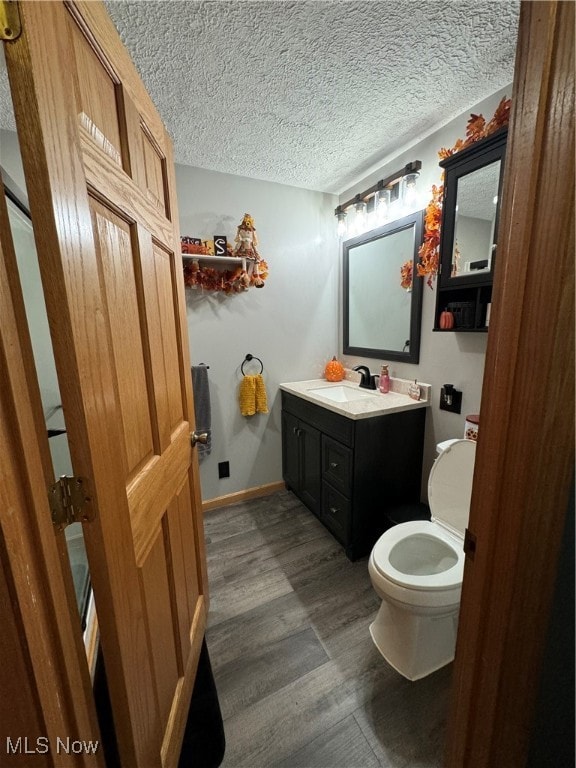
pixel 417 567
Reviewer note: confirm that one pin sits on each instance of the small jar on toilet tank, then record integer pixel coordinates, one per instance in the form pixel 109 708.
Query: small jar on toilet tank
pixel 471 426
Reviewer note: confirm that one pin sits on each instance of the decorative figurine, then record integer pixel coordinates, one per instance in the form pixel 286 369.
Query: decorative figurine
pixel 246 240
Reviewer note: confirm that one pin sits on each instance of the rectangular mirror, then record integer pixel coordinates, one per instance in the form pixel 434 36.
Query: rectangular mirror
pixel 381 318
pixel 474 227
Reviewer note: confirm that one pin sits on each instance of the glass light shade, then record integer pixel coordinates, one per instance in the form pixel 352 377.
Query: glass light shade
pixel 359 216
pixel 410 192
pixel 342 226
pixel 382 205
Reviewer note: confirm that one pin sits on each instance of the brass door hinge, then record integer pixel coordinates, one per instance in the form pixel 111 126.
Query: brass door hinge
pixel 10 25
pixel 69 502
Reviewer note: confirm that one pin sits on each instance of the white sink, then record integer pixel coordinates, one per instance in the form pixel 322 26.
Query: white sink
pixel 342 394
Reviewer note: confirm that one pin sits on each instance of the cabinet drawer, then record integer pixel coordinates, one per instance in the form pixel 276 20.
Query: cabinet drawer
pixel 336 465
pixel 336 513
pixel 333 424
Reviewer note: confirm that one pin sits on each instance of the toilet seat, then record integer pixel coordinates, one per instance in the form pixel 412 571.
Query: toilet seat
pixel 439 539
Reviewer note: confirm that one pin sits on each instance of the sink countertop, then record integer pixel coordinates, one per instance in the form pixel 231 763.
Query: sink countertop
pixel 373 404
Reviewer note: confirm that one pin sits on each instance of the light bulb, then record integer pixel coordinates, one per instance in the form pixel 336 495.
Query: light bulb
pixel 409 191
pixel 382 205
pixel 342 226
pixel 360 216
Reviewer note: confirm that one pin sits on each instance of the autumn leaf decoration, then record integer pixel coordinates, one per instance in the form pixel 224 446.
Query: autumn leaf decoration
pixel 406 271
pixel 476 129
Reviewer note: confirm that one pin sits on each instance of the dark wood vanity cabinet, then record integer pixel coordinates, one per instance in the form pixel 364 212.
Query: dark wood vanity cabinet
pixel 352 474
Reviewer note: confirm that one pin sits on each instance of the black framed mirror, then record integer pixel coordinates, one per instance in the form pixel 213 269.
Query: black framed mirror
pixel 470 211
pixel 381 318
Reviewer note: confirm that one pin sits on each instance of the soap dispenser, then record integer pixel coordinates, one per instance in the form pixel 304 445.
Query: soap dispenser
pixel 384 384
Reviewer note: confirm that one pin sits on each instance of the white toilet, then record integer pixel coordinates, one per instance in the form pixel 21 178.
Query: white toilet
pixel 417 567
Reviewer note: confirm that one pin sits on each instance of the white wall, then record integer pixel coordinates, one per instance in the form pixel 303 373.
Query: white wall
pixel 291 323
pixel 453 358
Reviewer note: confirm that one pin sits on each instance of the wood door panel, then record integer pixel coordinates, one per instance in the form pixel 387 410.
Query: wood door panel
pixel 96 89
pixel 154 575
pixel 174 546
pixel 167 299
pixel 114 250
pixel 188 548
pixel 154 346
pixel 152 490
pixel 155 171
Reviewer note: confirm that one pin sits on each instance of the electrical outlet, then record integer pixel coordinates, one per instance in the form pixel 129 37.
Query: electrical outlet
pixel 450 399
pixel 223 469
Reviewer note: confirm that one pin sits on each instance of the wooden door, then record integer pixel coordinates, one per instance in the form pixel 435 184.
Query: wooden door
pixel 100 178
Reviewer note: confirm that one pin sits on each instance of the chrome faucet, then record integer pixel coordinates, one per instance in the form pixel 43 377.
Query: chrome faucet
pixel 367 381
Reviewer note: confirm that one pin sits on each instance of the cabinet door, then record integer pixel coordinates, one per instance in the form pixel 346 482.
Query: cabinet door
pixel 310 466
pixel 290 451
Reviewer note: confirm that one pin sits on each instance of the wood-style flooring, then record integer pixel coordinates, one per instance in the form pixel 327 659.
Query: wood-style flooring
pixel 300 682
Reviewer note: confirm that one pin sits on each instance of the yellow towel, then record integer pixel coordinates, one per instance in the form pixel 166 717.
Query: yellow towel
pixel 261 399
pixel 252 395
pixel 247 396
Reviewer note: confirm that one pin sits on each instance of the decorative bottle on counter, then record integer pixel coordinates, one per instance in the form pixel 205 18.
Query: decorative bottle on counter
pixel 384 384
pixel 414 390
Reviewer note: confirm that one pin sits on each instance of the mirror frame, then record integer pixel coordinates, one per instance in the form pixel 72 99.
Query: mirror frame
pixel 415 220
pixel 478 155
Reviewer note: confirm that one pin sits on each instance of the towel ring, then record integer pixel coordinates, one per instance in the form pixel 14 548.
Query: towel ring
pixel 247 359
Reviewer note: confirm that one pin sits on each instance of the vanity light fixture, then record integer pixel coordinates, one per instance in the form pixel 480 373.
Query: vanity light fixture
pixel 377 201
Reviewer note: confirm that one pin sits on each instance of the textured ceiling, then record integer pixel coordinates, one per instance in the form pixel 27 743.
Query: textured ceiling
pixel 313 93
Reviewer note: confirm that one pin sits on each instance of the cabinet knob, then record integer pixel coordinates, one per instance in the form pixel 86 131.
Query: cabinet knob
pixel 333 464
pixel 333 510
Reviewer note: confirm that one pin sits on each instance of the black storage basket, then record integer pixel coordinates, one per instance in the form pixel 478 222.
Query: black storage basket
pixel 463 312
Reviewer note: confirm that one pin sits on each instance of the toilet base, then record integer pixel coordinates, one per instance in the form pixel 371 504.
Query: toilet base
pixel 415 644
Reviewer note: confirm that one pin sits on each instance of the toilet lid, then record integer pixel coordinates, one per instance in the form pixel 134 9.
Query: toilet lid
pixel 450 485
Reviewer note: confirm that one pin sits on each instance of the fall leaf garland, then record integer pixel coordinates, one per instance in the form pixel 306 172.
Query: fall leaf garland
pixel 476 129
pixel 251 270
